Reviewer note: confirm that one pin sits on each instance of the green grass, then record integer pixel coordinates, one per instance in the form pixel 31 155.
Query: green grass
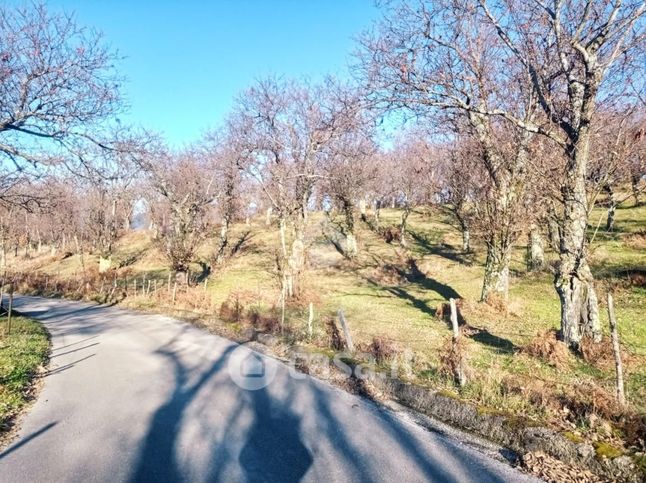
pixel 22 352
pixel 379 302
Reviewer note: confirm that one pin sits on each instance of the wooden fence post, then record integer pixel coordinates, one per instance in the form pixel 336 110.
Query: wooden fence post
pixel 174 292
pixel 282 307
pixel 616 349
pixel 114 288
pixel 346 331
pixel 460 375
pixel 10 308
pixel 454 319
pixel 310 320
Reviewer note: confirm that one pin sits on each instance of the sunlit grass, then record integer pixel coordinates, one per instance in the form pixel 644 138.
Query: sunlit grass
pixel 22 352
pixel 377 301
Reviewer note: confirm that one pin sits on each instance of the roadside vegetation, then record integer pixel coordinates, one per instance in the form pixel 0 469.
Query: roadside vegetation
pixel 23 352
pixel 395 299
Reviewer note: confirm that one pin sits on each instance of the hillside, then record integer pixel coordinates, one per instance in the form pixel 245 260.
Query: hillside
pixel 393 295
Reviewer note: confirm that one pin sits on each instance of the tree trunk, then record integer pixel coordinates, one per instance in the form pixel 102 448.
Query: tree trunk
pixel 296 263
pixel 402 226
pixel 612 208
pixel 40 241
pixel 535 253
pixel 496 278
pixel 553 233
pixel 573 280
pixel 224 240
pixel 610 221
pixel 362 209
pixel 579 305
pixel 304 205
pixel 377 212
pixel 466 240
pixel 351 245
pixel 351 248
pixel 505 193
pixel 634 184
pixel 181 276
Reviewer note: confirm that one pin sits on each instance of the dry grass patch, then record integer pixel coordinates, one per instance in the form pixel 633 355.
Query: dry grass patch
pixel 636 241
pixel 382 349
pixel 555 471
pixel 548 348
pixel 601 355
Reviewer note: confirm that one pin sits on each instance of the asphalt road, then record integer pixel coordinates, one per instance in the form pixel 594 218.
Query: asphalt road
pixel 134 397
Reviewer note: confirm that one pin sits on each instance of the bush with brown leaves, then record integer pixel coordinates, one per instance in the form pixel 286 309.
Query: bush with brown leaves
pixel 390 234
pixel 263 323
pixel 335 339
pixel 601 355
pixel 382 349
pixel 585 399
pixel 232 309
pixel 547 347
pixel 453 360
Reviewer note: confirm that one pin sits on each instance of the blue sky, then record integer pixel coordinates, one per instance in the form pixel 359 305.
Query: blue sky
pixel 186 61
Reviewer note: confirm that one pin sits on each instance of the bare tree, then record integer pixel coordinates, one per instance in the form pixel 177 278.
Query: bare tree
pixel 287 128
pixel 412 175
pixel 441 63
pixel 617 151
pixel 461 175
pixel 348 169
pixel 577 55
pixel 561 59
pixel 58 89
pixel 185 187
pixel 226 153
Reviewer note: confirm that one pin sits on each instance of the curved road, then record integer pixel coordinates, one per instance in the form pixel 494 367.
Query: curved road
pixel 134 397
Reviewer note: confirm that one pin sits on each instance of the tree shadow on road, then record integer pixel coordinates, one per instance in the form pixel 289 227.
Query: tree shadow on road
pixel 157 460
pixel 272 451
pixel 27 438
pixel 275 433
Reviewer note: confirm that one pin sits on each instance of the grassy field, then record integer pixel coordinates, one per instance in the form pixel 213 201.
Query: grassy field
pixel 383 298
pixel 22 352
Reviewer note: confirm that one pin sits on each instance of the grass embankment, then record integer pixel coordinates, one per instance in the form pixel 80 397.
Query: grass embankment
pixel 22 353
pixel 384 297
